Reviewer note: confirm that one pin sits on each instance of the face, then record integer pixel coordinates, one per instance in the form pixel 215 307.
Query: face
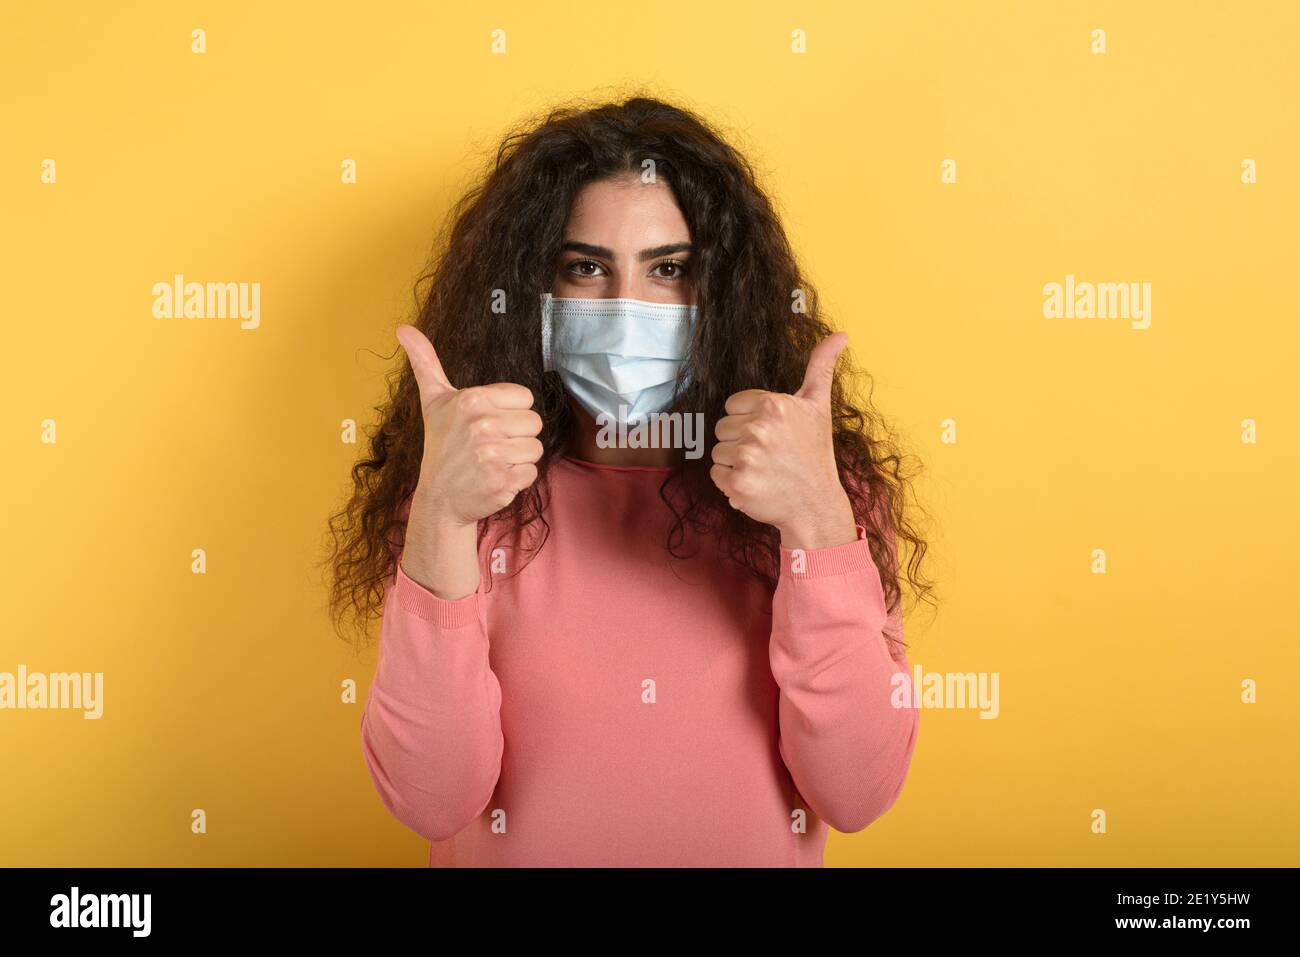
pixel 626 239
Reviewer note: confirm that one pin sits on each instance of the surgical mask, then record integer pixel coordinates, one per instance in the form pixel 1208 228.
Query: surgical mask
pixel 613 353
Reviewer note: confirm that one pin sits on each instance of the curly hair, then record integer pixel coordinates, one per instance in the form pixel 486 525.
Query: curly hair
pixel 758 321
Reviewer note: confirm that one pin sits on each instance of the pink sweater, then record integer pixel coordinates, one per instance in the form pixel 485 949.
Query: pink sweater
pixel 614 706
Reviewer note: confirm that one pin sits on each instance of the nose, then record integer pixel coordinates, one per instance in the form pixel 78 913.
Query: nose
pixel 624 286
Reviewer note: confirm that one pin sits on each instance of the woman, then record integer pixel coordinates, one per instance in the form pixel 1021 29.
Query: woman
pixel 605 652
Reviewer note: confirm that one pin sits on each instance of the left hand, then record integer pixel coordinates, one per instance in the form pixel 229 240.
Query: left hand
pixel 775 457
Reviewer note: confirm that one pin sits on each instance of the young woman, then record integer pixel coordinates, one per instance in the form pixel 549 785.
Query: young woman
pixel 615 653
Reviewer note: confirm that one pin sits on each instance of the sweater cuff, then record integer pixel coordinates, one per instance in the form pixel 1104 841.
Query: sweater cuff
pixel 443 612
pixel 824 562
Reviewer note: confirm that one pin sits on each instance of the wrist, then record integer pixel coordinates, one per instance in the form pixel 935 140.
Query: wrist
pixel 440 551
pixel 431 512
pixel 826 526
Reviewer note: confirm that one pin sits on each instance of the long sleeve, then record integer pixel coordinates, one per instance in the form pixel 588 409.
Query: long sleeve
pixel 431 727
pixel 846 745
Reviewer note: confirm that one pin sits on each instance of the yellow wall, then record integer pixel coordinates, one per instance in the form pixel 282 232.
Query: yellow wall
pixel 1119 691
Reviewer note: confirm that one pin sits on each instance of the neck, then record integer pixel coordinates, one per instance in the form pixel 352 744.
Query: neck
pixel 582 445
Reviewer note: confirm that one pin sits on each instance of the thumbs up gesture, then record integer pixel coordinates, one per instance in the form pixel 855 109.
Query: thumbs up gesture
pixel 480 443
pixel 775 457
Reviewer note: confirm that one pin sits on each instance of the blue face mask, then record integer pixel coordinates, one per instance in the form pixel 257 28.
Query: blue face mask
pixel 618 357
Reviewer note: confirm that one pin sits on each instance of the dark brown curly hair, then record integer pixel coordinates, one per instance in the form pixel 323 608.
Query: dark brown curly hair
pixel 504 236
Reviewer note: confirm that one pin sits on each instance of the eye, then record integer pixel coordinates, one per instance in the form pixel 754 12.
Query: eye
pixel 585 267
pixel 676 269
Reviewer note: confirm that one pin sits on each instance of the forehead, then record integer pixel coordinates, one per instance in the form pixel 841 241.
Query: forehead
pixel 626 214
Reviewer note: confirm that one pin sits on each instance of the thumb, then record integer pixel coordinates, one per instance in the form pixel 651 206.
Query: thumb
pixel 821 368
pixel 429 376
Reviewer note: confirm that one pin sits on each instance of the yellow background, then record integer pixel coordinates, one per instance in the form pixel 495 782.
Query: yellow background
pixel 1118 691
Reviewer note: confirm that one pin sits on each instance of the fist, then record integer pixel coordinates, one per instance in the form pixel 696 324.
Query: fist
pixel 775 457
pixel 480 444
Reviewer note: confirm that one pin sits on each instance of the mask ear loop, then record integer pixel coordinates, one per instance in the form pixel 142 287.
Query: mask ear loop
pixel 547 364
pixel 684 376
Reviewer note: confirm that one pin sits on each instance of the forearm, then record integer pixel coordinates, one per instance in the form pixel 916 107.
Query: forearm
pixel 431 728
pixel 846 735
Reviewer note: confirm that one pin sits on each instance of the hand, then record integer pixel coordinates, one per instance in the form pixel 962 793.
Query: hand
pixel 480 443
pixel 775 457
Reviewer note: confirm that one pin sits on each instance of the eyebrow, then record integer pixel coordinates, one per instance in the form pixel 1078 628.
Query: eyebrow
pixel 646 254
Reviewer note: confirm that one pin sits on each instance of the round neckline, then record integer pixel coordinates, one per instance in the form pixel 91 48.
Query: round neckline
pixel 601 467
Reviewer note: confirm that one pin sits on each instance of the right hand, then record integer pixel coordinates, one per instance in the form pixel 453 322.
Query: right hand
pixel 480 443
